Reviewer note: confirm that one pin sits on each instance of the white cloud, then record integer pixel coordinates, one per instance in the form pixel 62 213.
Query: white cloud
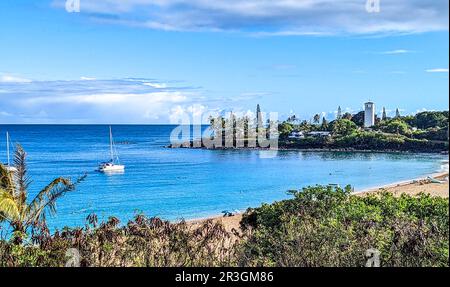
pixel 291 33
pixel 421 110
pixel 437 70
pixel 196 114
pixel 396 52
pixel 87 78
pixel 156 85
pixel 13 79
pixel 113 99
pixel 5 114
pixel 103 101
pixel 247 96
pixel 272 18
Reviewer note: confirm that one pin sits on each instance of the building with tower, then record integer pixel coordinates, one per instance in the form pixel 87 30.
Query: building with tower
pixel 369 114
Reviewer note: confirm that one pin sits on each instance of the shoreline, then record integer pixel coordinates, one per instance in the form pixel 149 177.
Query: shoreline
pixel 441 152
pixel 410 187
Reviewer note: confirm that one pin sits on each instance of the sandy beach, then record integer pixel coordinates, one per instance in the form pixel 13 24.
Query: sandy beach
pixel 415 186
pixel 411 187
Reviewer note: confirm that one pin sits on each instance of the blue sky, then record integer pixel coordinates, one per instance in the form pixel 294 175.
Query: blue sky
pixel 147 61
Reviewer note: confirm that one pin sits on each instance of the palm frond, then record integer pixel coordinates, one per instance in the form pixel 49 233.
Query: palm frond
pixel 56 186
pixel 21 178
pixel 8 207
pixel 46 198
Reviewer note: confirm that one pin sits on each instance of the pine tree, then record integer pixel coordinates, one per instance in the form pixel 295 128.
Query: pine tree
pixel 316 118
pixel 324 123
pixel 259 122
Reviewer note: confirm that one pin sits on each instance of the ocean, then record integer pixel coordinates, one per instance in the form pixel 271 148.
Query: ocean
pixel 186 183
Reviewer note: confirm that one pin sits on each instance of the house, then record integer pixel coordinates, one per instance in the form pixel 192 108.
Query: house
pixel 319 134
pixel 296 135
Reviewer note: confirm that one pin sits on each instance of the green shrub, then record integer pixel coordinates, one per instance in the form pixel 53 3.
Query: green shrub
pixel 326 226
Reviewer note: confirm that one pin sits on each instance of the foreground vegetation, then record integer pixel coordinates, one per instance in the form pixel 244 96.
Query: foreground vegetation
pixel 326 226
pixel 319 226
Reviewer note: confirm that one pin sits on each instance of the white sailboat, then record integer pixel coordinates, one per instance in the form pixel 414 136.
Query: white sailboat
pixel 8 165
pixel 113 165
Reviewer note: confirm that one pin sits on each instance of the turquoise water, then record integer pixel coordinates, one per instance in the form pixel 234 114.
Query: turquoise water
pixel 182 183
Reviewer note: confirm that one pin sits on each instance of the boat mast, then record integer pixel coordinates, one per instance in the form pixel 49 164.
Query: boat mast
pixel 7 146
pixel 111 144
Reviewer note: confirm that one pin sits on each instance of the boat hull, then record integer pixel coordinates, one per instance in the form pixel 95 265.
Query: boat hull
pixel 111 168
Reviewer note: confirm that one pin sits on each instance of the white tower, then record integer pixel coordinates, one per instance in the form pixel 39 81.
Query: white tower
pixel 369 114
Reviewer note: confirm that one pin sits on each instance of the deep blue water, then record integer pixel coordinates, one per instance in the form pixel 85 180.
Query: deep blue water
pixel 183 183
